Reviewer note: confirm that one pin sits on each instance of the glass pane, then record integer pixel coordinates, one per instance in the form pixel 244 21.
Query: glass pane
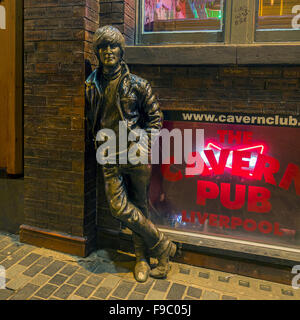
pixel 224 201
pixel 182 15
pixel 276 14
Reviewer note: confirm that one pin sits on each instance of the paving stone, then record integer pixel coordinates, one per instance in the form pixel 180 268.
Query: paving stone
pixel 194 292
pixel 24 293
pixel 76 279
pixel 265 287
pixel 64 291
pixel 287 292
pixel 74 297
pixel 45 261
pixel 184 270
pixel 204 275
pixel 58 279
pixel 5 293
pixel 161 285
pixel 144 287
pixel 9 261
pixel 69 270
pixel 176 291
pixel 46 291
pixel 114 298
pixel 136 296
pixel 225 297
pixel 244 283
pixel 155 295
pixel 14 271
pixel 18 282
pixel 33 270
pixel 31 258
pixel 111 281
pixel 102 292
pixel 85 271
pixel 84 291
pixel 4 243
pixel 189 298
pixel 94 280
pixel 93 298
pixel 2 257
pixel 210 295
pixel 10 249
pixel 40 280
pixel 16 257
pixel 54 267
pixel 24 251
pixel 56 255
pixel 123 289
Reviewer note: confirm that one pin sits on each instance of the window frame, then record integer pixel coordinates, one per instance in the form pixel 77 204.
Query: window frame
pixel 231 33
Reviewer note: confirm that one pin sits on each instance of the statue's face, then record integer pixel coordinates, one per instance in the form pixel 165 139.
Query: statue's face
pixel 110 55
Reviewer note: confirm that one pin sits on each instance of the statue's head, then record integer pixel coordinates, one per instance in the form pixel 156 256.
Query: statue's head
pixel 109 45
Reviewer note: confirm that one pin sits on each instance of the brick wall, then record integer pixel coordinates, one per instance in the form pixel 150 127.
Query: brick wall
pixel 59 181
pixel 257 89
pixel 120 14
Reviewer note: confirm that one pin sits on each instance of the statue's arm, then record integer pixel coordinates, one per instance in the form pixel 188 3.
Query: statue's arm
pixel 151 109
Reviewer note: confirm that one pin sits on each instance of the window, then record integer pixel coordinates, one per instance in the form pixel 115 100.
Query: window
pixel 181 20
pixel 278 20
pixel 227 21
pixel 182 15
pixel 276 14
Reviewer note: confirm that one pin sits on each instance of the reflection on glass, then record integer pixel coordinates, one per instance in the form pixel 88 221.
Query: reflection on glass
pixel 276 14
pixel 182 15
pixel 211 203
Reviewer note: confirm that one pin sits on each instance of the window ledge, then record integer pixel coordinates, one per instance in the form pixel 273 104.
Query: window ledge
pixel 215 54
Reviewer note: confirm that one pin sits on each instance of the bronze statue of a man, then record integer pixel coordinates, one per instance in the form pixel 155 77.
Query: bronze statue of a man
pixel 113 94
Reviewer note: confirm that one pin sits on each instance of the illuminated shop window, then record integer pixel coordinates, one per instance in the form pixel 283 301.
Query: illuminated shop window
pixel 248 188
pixel 278 14
pixel 182 15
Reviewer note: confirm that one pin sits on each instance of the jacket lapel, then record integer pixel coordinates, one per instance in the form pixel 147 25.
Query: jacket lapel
pixel 99 92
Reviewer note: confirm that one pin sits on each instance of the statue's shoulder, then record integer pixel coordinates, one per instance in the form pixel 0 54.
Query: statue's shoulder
pixel 137 80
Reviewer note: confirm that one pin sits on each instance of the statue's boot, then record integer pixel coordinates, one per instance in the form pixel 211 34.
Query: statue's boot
pixel 141 268
pixel 162 251
pixel 159 245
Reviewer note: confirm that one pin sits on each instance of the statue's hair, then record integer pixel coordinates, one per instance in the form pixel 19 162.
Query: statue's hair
pixel 108 34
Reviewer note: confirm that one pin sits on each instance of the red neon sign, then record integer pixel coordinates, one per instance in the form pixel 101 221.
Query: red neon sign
pixel 259 148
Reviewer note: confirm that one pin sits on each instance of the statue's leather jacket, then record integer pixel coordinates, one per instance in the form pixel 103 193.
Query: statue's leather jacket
pixel 134 100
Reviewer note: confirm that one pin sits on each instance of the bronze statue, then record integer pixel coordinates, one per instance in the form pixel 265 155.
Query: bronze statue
pixel 113 94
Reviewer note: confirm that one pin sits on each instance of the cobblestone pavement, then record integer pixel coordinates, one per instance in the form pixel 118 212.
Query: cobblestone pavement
pixel 34 273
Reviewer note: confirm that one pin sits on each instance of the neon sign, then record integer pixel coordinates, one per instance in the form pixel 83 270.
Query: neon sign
pixel 258 148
